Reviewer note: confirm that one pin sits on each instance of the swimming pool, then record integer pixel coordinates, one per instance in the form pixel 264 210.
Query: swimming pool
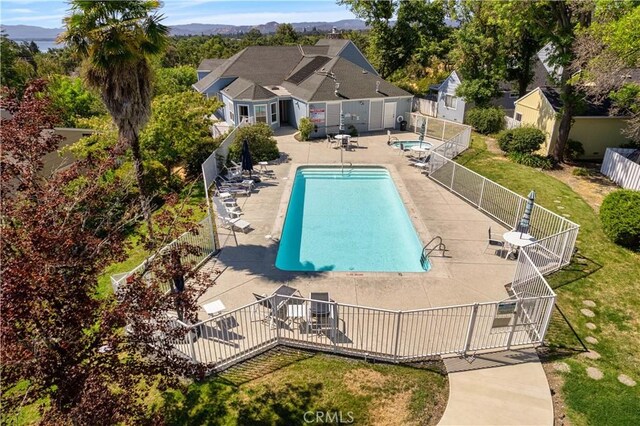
pixel 351 221
pixel 409 144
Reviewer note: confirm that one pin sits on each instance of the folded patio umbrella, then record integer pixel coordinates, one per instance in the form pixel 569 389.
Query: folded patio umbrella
pixel 341 129
pixel 423 127
pixel 523 226
pixel 247 162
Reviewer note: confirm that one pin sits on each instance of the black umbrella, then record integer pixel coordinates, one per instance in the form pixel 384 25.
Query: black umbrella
pixel 247 162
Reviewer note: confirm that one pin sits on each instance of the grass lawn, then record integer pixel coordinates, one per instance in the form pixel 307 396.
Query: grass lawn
pixel 137 254
pixel 298 382
pixel 602 272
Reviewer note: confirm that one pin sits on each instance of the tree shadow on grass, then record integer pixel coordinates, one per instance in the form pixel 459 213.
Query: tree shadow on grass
pixel 214 401
pixel 580 267
pixel 260 260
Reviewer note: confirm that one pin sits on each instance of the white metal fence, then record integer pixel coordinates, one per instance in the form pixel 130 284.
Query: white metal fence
pixel 372 333
pixel 621 169
pixel 437 128
pixel 201 245
pixel 556 235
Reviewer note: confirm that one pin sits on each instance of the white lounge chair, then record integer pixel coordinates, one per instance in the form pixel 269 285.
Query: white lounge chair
pixel 229 221
pixel 231 207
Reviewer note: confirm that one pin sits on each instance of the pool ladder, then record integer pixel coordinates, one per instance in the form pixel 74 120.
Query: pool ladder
pixel 429 248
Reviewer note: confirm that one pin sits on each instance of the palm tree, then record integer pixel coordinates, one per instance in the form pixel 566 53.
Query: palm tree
pixel 116 40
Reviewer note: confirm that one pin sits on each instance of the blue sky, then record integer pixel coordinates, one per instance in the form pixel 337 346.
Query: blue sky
pixel 49 13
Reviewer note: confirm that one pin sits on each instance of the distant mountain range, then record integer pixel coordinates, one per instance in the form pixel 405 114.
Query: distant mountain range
pixel 30 32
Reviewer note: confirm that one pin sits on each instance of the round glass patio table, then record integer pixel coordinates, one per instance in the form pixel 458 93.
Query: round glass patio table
pixel 420 150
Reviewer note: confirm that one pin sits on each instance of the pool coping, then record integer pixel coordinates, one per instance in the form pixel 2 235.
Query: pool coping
pixel 410 207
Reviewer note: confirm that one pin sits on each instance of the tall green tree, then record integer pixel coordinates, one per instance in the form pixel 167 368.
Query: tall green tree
pixel 479 53
pixel 383 41
pixel 563 21
pixel 17 65
pixel 286 34
pixel 608 53
pixel 116 40
pixel 178 132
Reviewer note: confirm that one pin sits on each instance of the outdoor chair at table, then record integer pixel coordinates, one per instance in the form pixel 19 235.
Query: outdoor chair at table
pixel 496 245
pixel 321 312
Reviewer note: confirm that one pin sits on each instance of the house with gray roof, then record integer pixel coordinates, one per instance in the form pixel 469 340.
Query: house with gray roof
pixel 279 85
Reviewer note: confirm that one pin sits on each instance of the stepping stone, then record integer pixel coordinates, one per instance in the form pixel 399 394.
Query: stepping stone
pixel 562 367
pixel 626 380
pixel 591 326
pixel 566 215
pixel 594 373
pixel 587 312
pixel 557 201
pixel 589 303
pixel 590 355
pixel 591 339
pixel 560 208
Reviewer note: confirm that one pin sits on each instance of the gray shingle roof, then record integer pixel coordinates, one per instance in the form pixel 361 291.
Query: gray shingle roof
pixel 210 64
pixel 354 84
pixel 244 89
pixel 305 77
pixel 586 108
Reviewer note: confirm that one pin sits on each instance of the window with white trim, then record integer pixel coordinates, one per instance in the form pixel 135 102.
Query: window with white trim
pixel 517 116
pixel 260 112
pixel 274 112
pixel 243 112
pixel 232 115
pixel 450 101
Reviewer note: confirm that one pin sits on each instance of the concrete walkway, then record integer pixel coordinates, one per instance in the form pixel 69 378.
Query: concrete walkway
pixel 503 388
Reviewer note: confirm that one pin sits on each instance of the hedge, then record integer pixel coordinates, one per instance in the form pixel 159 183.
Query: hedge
pixel 524 140
pixel 620 217
pixel 262 144
pixel 486 120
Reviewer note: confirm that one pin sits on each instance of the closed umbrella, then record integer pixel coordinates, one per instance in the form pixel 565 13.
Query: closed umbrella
pixel 247 162
pixel 523 226
pixel 423 127
pixel 341 129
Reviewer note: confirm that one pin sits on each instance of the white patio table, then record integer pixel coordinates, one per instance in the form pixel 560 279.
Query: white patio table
pixel 517 239
pixel 419 149
pixel 344 140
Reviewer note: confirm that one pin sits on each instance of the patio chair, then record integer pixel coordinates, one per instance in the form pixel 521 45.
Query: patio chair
pixel 353 140
pixel 494 244
pixel 262 310
pixel 331 140
pixel 321 311
pixel 247 183
pixel 233 189
pixel 391 139
pixel 229 221
pixel 231 207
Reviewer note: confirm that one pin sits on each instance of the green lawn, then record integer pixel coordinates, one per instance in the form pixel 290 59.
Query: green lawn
pixel 602 272
pixel 369 393
pixel 137 254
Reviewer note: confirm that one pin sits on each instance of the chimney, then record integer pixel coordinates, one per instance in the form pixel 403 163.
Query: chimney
pixel 377 87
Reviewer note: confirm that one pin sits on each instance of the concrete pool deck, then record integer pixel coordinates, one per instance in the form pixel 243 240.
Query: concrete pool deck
pixel 467 275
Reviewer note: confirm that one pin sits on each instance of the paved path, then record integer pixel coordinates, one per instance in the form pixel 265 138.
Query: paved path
pixel 504 388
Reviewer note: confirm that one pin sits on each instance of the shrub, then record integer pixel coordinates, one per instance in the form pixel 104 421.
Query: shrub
pixel 620 217
pixel 573 149
pixel 353 132
pixel 486 120
pixel 581 171
pixel 524 140
pixel 532 160
pixel 306 127
pixel 262 144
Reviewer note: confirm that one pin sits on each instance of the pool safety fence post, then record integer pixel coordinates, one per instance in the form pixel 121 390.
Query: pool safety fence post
pixel 453 175
pixel 444 127
pixel 397 342
pixel 334 326
pixel 470 327
pixel 192 336
pixel 516 315
pixel 481 194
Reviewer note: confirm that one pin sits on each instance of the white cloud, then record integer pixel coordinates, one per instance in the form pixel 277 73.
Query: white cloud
pixel 42 19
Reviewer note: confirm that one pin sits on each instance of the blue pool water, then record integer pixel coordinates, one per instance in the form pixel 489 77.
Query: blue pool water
pixel 409 144
pixel 351 221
